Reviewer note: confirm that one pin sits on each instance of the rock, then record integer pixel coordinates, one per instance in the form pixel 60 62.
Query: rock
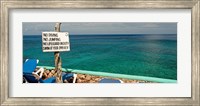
pixel 50 75
pixel 79 81
pixel 65 81
pixel 91 81
pixel 82 76
pixel 47 72
pixel 53 72
pixel 84 81
pixel 88 77
pixel 97 79
pixel 45 75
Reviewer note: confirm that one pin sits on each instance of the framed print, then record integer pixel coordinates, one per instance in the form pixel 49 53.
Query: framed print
pixel 100 52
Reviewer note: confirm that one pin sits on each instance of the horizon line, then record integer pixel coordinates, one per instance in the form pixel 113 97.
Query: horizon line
pixel 103 34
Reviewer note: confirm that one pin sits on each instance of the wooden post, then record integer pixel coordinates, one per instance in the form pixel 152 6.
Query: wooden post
pixel 58 62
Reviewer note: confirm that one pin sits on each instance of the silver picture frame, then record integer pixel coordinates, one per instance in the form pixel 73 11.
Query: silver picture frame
pixel 7 5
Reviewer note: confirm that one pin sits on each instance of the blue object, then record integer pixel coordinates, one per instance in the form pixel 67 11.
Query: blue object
pixel 30 65
pixel 49 80
pixel 53 79
pixel 105 80
pixel 67 75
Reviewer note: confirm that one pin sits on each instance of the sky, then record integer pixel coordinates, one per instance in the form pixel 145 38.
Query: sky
pixel 78 28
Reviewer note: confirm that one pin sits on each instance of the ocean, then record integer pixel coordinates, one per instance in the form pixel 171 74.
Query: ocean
pixel 143 54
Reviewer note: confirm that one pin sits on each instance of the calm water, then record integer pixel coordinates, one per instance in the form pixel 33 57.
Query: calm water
pixel 146 55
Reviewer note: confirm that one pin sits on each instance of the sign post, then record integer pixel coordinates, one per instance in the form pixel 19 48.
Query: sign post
pixel 57 59
pixel 55 42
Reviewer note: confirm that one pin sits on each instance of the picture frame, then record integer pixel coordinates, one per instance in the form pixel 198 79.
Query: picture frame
pixel 7 5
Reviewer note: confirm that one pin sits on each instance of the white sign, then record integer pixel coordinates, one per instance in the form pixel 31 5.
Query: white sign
pixel 55 41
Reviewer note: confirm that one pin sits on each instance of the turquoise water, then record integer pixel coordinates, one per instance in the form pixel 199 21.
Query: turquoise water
pixel 144 55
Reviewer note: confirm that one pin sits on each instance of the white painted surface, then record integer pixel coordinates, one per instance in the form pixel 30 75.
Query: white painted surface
pixel 55 41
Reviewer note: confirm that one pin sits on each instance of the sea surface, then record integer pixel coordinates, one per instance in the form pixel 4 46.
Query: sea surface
pixel 144 55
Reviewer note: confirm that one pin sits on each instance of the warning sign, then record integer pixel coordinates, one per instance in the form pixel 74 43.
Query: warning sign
pixel 55 41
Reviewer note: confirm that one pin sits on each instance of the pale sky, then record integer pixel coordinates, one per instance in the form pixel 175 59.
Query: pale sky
pixel 78 28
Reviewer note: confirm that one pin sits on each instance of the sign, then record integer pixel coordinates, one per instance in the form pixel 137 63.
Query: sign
pixel 55 41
